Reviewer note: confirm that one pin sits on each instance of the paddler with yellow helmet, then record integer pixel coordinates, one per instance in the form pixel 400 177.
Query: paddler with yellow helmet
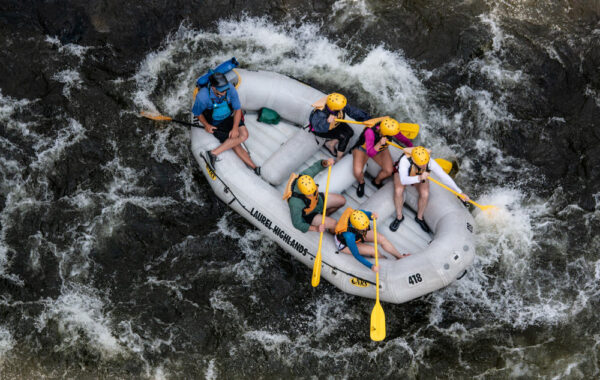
pixel 322 122
pixel 353 230
pixel 306 203
pixel 413 168
pixel 372 143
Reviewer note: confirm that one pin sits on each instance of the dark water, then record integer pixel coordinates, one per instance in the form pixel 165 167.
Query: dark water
pixel 117 261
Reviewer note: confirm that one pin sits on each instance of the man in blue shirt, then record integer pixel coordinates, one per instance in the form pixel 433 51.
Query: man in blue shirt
pixel 218 109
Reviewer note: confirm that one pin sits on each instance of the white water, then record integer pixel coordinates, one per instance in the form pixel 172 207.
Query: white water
pixel 506 287
pixel 508 241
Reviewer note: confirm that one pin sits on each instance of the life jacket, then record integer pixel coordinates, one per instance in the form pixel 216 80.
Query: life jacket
pixel 344 225
pixel 362 140
pixel 310 201
pixel 220 110
pixel 413 169
pixel 321 106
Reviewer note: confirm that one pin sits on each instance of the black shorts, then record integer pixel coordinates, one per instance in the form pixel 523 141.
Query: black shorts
pixel 309 218
pixel 343 132
pixel 224 127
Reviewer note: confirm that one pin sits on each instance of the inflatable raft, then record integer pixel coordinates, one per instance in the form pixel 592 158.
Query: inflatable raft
pixel 437 259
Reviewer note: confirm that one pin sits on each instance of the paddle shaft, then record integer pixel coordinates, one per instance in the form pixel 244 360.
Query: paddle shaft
pixel 454 192
pixel 376 260
pixel 316 277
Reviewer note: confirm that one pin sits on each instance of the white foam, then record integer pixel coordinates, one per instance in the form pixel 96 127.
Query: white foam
pixel 79 315
pixel 71 80
pixel 70 48
pixel 211 371
pixel 7 342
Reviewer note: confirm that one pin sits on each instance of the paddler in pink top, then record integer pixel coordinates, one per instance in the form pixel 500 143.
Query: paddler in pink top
pixel 372 143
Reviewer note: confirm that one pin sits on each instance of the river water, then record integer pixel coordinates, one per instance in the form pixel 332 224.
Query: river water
pixel 116 260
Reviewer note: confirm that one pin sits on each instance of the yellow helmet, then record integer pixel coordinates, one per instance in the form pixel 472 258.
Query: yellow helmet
pixel 359 220
pixel 389 127
pixel 336 102
pixel 420 155
pixel 307 185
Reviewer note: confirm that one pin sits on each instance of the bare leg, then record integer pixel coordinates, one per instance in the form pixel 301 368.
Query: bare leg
pixel 398 196
pixel 334 202
pixel 384 159
pixel 359 160
pixel 230 143
pixel 385 244
pixel 244 156
pixel 329 222
pixel 423 189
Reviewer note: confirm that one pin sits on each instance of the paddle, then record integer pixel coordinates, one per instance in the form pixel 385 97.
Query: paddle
pixel 159 117
pixel 316 276
pixel 483 207
pixel 377 315
pixel 410 130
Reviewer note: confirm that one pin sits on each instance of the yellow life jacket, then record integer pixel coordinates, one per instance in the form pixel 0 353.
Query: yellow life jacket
pixel 310 201
pixel 342 224
pixel 320 105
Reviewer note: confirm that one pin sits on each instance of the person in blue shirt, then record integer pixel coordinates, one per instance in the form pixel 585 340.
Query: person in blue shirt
pixel 353 230
pixel 322 122
pixel 217 107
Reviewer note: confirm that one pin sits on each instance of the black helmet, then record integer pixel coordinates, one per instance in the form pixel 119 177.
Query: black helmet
pixel 219 81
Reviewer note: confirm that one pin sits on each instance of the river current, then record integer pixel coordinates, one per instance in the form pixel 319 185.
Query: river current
pixel 117 261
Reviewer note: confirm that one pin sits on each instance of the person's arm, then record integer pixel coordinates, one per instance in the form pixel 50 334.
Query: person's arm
pixel 200 105
pixel 318 120
pixel 296 208
pixel 444 178
pixel 313 169
pixel 351 243
pixel 403 167
pixel 370 143
pixel 356 113
pixel 404 140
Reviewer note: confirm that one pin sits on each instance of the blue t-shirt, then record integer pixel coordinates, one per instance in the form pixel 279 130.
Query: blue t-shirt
pixel 206 97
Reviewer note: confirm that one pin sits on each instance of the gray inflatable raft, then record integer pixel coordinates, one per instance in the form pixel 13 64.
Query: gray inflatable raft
pixel 437 260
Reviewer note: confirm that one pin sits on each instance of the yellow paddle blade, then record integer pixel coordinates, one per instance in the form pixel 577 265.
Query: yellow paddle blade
pixel 377 323
pixel 445 164
pixel 316 275
pixel 155 116
pixel 410 130
pixel 487 207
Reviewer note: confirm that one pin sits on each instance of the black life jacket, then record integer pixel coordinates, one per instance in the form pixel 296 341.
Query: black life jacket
pixel 362 139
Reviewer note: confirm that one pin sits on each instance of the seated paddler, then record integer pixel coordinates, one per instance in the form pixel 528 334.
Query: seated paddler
pixel 218 108
pixel 353 230
pixel 323 124
pixel 372 143
pixel 306 202
pixel 413 168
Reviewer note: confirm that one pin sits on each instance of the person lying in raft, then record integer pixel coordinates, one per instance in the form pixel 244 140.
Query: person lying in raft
pixel 306 203
pixel 372 143
pixel 353 230
pixel 322 122
pixel 218 108
pixel 413 168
